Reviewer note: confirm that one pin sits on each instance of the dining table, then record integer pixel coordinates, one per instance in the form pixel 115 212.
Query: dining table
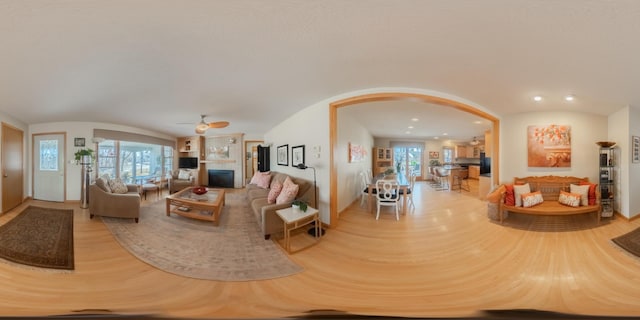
pixel 403 186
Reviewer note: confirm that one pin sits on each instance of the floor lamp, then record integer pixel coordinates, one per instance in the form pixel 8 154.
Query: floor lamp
pixel 302 166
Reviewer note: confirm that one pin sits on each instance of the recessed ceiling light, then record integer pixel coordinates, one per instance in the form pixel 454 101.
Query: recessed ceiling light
pixel 414 119
pixel 407 132
pixel 436 138
pixel 569 97
pixel 410 127
pixel 537 98
pixel 445 134
pixel 477 122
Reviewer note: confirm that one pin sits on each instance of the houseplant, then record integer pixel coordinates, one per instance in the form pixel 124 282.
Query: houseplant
pixel 299 204
pixel 83 152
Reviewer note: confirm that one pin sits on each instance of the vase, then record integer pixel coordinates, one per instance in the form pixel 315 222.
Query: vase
pixel 295 207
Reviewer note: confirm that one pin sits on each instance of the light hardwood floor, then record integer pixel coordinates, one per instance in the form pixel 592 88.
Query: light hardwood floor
pixel 445 258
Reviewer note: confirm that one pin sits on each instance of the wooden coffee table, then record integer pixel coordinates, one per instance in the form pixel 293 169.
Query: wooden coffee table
pixel 202 207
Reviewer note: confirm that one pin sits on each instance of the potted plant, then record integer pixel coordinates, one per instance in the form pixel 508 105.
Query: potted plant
pixel 84 153
pixel 299 205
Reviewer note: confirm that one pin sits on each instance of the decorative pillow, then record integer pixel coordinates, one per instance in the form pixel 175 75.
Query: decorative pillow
pixel 494 196
pixel 274 192
pixel 583 191
pixel 510 198
pixel 518 191
pixel 103 184
pixel 117 186
pixel 592 192
pixel 531 199
pixel 261 179
pixel 184 175
pixel 569 199
pixel 288 193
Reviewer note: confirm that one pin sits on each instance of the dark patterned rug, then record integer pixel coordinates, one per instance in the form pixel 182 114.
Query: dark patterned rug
pixel 39 237
pixel 629 242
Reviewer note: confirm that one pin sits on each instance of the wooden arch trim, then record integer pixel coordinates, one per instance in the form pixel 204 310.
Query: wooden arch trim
pixel 390 96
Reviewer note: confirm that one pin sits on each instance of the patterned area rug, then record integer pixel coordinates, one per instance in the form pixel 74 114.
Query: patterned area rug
pixel 39 237
pixel 629 242
pixel 233 251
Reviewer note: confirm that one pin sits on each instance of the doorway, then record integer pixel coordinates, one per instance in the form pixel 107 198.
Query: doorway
pixel 251 157
pixel 48 167
pixel 389 96
pixel 12 167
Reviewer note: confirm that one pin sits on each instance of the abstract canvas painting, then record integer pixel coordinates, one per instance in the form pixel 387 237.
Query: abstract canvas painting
pixel 549 146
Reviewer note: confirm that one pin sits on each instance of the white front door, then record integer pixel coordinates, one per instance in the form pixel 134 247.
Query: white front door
pixel 48 167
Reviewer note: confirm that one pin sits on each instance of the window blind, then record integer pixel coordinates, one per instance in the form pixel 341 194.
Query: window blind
pixel 132 137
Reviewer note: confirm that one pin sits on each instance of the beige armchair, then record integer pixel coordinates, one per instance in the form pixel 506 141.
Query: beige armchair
pixel 176 184
pixel 118 205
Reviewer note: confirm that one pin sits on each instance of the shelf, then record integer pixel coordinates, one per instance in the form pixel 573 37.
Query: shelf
pixel 218 161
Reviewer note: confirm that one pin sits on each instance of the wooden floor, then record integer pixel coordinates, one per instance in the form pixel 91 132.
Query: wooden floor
pixel 445 258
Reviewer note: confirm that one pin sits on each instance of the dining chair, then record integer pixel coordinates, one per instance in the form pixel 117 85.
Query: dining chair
pixel 388 194
pixel 365 180
pixel 411 190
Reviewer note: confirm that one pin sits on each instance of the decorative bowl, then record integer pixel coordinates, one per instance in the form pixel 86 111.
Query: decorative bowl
pixel 199 190
pixel 606 144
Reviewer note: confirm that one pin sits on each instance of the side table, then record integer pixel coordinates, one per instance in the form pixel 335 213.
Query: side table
pixel 296 218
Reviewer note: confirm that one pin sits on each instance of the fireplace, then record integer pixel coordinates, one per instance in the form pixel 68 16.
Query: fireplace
pixel 221 178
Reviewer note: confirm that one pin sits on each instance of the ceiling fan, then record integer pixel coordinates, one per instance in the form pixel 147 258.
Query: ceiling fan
pixel 202 126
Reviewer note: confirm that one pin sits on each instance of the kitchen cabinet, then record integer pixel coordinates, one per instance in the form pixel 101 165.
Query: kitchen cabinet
pixel 474 172
pixel 461 151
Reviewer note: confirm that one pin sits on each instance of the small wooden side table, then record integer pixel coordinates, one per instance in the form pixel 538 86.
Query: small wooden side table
pixel 296 218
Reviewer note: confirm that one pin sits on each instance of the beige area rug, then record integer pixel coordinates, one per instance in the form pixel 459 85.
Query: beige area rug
pixel 233 251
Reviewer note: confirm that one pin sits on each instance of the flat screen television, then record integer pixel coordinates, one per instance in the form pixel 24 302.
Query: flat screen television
pixel 188 162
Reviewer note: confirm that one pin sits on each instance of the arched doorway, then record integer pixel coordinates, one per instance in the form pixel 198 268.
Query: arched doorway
pixel 389 96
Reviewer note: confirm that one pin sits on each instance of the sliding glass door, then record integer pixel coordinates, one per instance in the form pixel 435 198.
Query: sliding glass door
pixel 408 160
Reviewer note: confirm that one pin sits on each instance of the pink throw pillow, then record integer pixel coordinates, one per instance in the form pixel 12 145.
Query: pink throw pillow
pixel 288 193
pixel 274 192
pixel 261 179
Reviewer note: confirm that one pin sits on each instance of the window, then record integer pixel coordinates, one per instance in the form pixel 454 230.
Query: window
pixel 447 154
pixel 133 162
pixel 49 155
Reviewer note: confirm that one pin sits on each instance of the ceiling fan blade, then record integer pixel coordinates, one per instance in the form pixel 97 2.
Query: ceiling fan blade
pixel 218 124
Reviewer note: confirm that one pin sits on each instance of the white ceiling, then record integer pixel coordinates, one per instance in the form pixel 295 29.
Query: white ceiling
pixel 154 63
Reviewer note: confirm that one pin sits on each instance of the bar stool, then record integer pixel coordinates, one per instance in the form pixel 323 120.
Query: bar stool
pixel 460 180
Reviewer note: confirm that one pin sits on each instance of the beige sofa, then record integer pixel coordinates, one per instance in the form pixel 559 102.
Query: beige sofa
pixel 265 212
pixel 118 205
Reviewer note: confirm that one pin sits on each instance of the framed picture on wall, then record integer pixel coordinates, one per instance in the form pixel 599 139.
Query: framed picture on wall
pixel 78 142
pixel 434 155
pixel 297 155
pixel 283 155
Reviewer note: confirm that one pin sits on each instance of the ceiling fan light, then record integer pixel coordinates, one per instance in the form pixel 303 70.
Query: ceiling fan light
pixel 474 142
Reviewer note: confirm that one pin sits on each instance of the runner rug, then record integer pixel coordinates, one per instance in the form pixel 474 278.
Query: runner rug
pixel 233 251
pixel 39 237
pixel 629 242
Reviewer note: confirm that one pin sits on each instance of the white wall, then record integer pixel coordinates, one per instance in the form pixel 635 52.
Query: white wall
pixel 586 129
pixel 75 130
pixel 348 179
pixel 308 127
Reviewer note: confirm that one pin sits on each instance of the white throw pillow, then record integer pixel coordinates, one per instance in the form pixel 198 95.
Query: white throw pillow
pixel 184 175
pixel 118 186
pixel 583 191
pixel 518 191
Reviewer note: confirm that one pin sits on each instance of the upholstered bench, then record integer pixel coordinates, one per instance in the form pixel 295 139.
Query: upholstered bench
pixel 550 187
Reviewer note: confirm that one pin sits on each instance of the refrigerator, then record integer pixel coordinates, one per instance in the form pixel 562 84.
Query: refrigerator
pixel 485 163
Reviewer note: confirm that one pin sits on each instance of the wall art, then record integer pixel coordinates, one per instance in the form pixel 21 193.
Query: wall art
pixel 549 146
pixel 282 154
pixel 297 155
pixel 635 149
pixel 357 152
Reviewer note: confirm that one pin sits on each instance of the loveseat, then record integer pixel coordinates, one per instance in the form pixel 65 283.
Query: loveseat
pixel 265 212
pixel 104 202
pixel 552 202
